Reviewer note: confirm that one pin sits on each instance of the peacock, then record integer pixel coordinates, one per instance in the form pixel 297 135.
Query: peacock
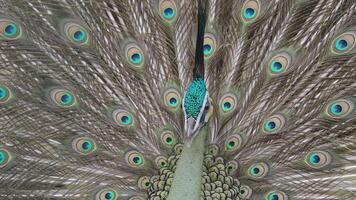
pixel 178 99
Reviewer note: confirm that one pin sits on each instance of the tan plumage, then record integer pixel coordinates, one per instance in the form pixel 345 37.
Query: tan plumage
pixel 91 96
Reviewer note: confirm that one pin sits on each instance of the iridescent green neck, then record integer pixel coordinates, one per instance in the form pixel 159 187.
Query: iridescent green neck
pixel 187 177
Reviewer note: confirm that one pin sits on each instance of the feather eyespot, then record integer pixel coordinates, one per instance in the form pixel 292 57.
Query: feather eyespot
pixel 168 138
pixel 161 161
pixel 233 143
pixel 178 148
pixel 339 108
pixel 245 192
pixel 279 63
pixel 5 94
pixel 107 194
pixel 250 10
pixel 134 55
pixel 9 29
pixel 168 11
pixel 5 158
pixel 209 45
pixel 122 118
pixel 213 150
pixel 84 145
pixel 144 183
pixel 228 103
pixel 273 124
pixel 63 98
pixel 318 159
pixel 77 34
pixel 276 195
pixel 134 159
pixel 231 167
pixel 172 99
pixel 258 170
pixel 344 43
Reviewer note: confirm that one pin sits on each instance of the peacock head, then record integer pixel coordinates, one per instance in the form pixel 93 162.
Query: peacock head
pixel 197 107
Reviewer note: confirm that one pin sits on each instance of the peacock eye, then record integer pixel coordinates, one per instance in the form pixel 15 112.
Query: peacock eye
pixel 168 11
pixel 258 170
pixel 161 161
pixel 5 94
pixel 250 10
pixel 5 158
pixel 9 29
pixel 340 108
pixel 76 34
pixel 209 46
pixel 122 118
pixel 134 55
pixel 233 143
pixel 84 145
pixel 63 98
pixel 273 124
pixel 134 159
pixel 276 195
pixel 317 159
pixel 172 99
pixel 279 63
pixel 168 138
pixel 231 167
pixel 245 192
pixel 144 183
pixel 344 43
pixel 228 103
pixel 207 107
pixel 107 194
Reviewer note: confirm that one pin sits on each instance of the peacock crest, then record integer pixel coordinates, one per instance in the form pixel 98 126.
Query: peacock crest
pixel 178 99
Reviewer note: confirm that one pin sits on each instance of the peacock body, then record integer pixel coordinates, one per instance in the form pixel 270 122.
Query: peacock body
pixel 178 100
